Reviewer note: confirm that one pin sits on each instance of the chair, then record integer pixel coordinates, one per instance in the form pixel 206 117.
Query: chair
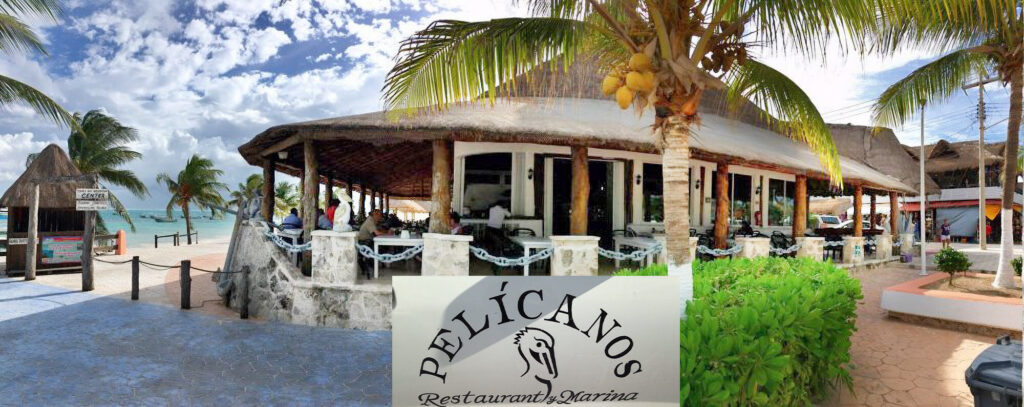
pixel 707 241
pixel 693 232
pixel 833 252
pixel 779 240
pixel 522 232
pixel 869 246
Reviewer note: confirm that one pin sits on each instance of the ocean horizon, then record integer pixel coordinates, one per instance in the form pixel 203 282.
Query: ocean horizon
pixel 146 227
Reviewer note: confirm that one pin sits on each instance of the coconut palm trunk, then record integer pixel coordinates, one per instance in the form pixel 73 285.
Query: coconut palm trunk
pixel 1005 273
pixel 188 222
pixel 676 184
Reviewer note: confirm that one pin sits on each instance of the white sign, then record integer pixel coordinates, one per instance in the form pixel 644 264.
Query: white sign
pixel 511 341
pixel 92 199
pixel 17 241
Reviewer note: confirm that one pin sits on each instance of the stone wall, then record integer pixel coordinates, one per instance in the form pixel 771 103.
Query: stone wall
pixel 279 292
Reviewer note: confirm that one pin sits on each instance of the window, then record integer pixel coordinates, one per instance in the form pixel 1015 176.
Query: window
pixel 488 181
pixel 739 186
pixel 780 202
pixel 654 210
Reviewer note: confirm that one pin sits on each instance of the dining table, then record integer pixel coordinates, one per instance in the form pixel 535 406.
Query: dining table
pixel 638 242
pixel 530 243
pixel 394 241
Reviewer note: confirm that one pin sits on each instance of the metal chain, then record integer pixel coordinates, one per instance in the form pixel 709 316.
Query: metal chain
pixel 898 244
pixel 510 262
pixel 385 258
pixel 637 255
pixel 719 252
pixel 288 247
pixel 833 244
pixel 785 251
pixel 111 262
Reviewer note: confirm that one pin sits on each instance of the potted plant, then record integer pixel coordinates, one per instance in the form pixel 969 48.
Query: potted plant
pixel 950 260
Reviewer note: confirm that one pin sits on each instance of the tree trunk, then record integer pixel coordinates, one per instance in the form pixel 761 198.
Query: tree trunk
pixel 675 163
pixel 362 201
pixel 32 243
pixel 188 223
pixel 893 215
pixel 1005 273
pixel 800 206
pixel 722 205
pixel 312 188
pixel 441 188
pixel 267 204
pixel 858 213
pixel 580 191
pixel 328 193
pixel 872 212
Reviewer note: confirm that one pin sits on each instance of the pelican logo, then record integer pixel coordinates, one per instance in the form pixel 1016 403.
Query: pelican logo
pixel 518 341
pixel 537 348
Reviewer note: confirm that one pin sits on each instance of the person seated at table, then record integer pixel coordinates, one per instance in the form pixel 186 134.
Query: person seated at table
pixel 371 227
pixel 331 209
pixel 322 222
pixel 745 229
pixel 292 221
pixel 454 223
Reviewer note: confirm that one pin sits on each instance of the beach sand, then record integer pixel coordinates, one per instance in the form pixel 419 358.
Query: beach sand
pixel 157 285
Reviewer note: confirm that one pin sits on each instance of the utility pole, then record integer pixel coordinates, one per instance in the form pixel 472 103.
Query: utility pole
pixel 921 222
pixel 982 80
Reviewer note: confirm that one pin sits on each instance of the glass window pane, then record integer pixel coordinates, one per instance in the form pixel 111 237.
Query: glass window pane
pixel 488 181
pixel 653 206
pixel 780 203
pixel 741 209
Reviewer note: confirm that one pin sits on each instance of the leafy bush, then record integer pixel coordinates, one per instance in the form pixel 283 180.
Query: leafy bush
pixel 764 332
pixel 1016 263
pixel 951 261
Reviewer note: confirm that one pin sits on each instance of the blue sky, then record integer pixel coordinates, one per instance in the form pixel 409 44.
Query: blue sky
pixel 206 75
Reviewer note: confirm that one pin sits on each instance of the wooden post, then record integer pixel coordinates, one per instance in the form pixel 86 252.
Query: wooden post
pixel 580 191
pixel 135 278
pixel 441 187
pixel 312 186
pixel 87 242
pixel 387 203
pixel 858 213
pixel 722 206
pixel 156 241
pixel 33 235
pixel 362 201
pixel 177 238
pixel 328 194
pixel 186 283
pixel 348 192
pixel 373 200
pixel 800 207
pixel 244 309
pixel 894 212
pixel 267 205
pixel 871 210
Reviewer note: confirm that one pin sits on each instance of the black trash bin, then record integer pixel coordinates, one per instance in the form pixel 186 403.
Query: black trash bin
pixel 994 376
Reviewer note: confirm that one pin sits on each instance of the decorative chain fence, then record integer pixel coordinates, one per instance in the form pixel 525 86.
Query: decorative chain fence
pixel 784 251
pixel 637 255
pixel 386 258
pixel 732 251
pixel 510 262
pixel 833 244
pixel 288 247
pixel 898 243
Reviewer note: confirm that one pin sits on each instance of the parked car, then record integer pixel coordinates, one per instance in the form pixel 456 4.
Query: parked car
pixel 828 221
pixel 849 224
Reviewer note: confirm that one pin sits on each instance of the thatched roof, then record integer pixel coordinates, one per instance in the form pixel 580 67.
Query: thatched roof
pixel 395 155
pixel 52 162
pixel 882 151
pixel 944 156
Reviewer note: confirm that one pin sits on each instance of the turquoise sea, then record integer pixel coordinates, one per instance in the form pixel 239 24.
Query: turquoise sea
pixel 146 227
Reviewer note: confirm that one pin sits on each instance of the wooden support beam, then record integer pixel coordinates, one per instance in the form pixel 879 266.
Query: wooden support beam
pixel 311 188
pixel 722 205
pixel 328 193
pixel 362 201
pixel 33 235
pixel 580 191
pixel 267 205
pixel 373 200
pixel 894 213
pixel 441 187
pixel 387 203
pixel 800 206
pixel 872 213
pixel 858 215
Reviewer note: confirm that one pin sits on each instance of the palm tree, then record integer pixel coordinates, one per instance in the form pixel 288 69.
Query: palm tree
pixel 18 37
pixel 100 148
pixel 656 53
pixel 974 36
pixel 195 185
pixel 285 197
pixel 252 187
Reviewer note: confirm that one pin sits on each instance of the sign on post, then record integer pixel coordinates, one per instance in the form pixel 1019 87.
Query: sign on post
pixel 511 341
pixel 92 199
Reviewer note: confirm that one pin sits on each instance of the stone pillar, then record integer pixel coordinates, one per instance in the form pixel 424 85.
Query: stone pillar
pixel 753 247
pixel 335 260
pixel 853 249
pixel 574 255
pixel 883 246
pixel 813 247
pixel 445 255
pixel 907 243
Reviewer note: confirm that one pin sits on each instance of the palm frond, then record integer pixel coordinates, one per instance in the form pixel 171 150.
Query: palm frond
pixel 796 114
pixel 13 91
pixel 933 82
pixel 456 61
pixel 121 211
pixel 804 26
pixel 49 9
pixel 944 25
pixel 16 36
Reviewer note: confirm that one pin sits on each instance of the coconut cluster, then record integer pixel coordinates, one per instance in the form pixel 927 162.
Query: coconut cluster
pixel 629 80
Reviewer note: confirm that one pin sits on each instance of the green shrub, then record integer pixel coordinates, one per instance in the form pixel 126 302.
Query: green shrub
pixel 1016 263
pixel 765 332
pixel 951 261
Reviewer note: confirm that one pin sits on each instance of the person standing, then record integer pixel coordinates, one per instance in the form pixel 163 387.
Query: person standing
pixel 944 233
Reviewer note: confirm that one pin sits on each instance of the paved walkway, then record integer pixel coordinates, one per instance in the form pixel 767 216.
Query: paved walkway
pixel 902 364
pixel 63 347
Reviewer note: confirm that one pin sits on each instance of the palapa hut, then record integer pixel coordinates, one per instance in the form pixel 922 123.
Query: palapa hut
pixel 522 154
pixel 60 226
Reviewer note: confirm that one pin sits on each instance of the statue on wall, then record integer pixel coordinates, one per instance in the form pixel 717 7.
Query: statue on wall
pixel 342 215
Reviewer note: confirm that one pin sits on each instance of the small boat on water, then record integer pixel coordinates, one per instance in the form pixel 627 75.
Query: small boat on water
pixel 165 220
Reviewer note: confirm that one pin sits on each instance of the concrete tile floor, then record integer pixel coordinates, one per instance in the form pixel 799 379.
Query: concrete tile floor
pixel 902 364
pixel 63 347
